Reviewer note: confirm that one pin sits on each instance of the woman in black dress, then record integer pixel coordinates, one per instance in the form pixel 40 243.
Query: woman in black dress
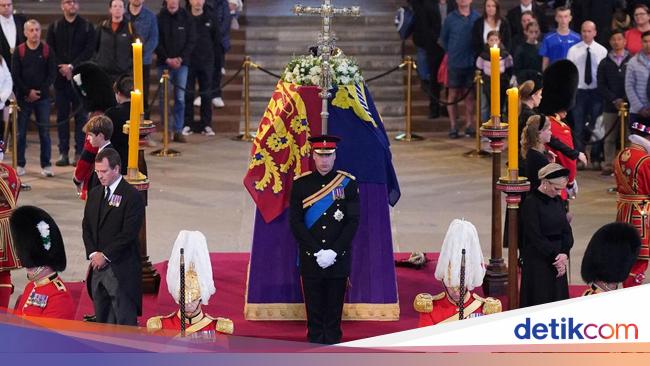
pixel 547 240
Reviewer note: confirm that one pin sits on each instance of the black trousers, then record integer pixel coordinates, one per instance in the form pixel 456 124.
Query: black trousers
pixel 219 62
pixel 324 301
pixel 203 75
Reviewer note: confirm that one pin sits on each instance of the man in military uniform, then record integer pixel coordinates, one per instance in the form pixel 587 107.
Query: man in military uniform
pixel 40 248
pixel 199 286
pixel 461 269
pixel 610 255
pixel 9 189
pixel 632 172
pixel 324 216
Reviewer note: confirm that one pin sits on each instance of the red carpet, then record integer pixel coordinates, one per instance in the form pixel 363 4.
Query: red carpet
pixel 230 281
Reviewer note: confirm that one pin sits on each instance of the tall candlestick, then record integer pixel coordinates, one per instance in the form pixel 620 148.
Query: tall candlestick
pixel 138 81
pixel 495 79
pixel 134 129
pixel 513 129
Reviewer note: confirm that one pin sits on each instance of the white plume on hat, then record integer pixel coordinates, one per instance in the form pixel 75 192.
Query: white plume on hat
pixel 461 235
pixel 196 255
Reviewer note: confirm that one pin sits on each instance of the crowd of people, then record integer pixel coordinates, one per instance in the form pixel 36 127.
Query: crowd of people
pixel 602 38
pixel 31 66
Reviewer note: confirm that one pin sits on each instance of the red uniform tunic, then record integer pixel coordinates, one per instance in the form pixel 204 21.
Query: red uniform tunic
pixel 632 172
pixel 9 189
pixel 201 324
pixel 562 132
pixel 445 310
pixel 46 298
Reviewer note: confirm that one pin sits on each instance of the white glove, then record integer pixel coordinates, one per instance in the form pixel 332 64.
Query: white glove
pixel 573 191
pixel 325 258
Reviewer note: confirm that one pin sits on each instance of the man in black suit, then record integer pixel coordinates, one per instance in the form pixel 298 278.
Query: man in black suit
pixel 514 16
pixel 112 220
pixel 11 30
pixel 324 216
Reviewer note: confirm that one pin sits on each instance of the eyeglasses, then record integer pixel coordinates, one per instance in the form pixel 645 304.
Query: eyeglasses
pixel 639 14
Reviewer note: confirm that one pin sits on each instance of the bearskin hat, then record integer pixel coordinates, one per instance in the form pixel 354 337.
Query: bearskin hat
pixel 95 87
pixel 611 253
pixel 37 238
pixel 560 87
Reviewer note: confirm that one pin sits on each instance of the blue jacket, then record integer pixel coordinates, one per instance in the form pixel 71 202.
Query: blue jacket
pixel 456 39
pixel 146 28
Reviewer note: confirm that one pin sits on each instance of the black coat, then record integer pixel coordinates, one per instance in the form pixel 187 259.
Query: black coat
pixel 113 50
pixel 428 23
pixel 514 19
pixel 19 20
pixel 72 43
pixel 116 234
pixel 478 44
pixel 327 232
pixel 547 233
pixel 177 35
pixel 611 81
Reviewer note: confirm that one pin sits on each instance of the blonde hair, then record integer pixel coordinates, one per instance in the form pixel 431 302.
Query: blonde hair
pixel 530 133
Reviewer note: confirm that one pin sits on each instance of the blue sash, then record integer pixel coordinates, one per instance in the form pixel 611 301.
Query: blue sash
pixel 319 207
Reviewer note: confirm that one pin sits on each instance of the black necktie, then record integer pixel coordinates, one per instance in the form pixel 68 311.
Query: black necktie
pixel 588 68
pixel 107 195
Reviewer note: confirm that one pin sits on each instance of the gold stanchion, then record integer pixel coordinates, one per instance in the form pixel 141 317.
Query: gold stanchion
pixel 14 109
pixel 622 114
pixel 477 152
pixel 246 136
pixel 408 135
pixel 165 151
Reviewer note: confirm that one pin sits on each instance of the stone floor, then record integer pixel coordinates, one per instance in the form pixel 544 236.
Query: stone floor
pixel 202 190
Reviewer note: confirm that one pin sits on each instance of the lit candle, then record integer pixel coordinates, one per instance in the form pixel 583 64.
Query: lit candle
pixel 138 82
pixel 495 78
pixel 513 129
pixel 134 129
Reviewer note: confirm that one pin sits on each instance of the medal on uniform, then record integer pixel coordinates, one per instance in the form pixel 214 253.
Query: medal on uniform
pixel 338 215
pixel 37 300
pixel 338 193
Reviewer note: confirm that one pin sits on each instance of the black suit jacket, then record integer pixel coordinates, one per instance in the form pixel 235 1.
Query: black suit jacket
pixel 514 19
pixel 328 232
pixel 19 20
pixel 115 233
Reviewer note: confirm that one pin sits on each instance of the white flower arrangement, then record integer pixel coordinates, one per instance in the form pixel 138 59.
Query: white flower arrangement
pixel 306 70
pixel 44 231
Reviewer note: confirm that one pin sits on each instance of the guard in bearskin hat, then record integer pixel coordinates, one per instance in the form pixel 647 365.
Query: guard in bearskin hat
pixel 9 189
pixel 558 97
pixel 610 255
pixel 40 248
pixel 632 173
pixel 461 269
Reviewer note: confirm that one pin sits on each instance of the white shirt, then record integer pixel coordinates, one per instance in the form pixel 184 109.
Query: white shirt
pixel 103 146
pixel 112 187
pixel 578 54
pixel 526 8
pixel 9 29
pixel 487 29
